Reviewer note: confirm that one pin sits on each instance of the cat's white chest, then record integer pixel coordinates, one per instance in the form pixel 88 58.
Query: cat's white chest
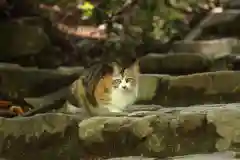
pixel 121 99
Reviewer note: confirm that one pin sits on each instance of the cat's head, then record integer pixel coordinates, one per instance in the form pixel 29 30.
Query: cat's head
pixel 125 79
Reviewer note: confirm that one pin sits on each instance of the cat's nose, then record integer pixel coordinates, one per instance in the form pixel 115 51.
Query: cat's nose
pixel 124 87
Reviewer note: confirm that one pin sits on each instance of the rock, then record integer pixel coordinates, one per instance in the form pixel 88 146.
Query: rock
pixel 213 19
pixel 29 82
pixel 201 88
pixel 20 39
pixel 232 4
pixel 212 49
pixel 184 63
pixel 133 158
pixel 213 156
pixel 222 64
pixel 235 60
pixel 191 57
pixel 163 133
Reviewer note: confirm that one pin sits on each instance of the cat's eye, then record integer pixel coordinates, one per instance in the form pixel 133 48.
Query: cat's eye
pixel 116 82
pixel 129 80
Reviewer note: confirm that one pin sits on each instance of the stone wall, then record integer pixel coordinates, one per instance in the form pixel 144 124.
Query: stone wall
pixel 188 105
pixel 161 133
pixel 180 127
pixel 177 129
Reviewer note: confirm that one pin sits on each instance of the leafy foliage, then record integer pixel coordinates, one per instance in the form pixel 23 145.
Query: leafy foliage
pixel 142 22
pixel 87 9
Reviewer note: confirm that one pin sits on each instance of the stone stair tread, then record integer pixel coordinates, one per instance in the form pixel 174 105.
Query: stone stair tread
pixel 232 4
pixel 158 89
pixel 225 16
pixel 227 155
pixel 210 20
pixel 200 88
pixel 189 130
pixel 21 79
pixel 212 49
pixel 175 63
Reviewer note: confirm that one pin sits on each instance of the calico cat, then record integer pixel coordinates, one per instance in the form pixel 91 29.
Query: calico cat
pixel 111 88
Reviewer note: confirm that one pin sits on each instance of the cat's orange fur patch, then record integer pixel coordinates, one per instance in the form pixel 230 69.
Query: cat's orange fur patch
pixel 101 93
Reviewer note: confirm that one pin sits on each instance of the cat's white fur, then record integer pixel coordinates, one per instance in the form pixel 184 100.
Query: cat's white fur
pixel 122 97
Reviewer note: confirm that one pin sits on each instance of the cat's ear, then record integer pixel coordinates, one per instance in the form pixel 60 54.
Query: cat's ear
pixel 116 68
pixel 135 66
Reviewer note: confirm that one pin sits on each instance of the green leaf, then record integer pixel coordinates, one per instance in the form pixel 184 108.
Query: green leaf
pixel 85 6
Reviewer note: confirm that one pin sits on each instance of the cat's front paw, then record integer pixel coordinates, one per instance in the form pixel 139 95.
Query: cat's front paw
pixel 114 110
pixel 138 114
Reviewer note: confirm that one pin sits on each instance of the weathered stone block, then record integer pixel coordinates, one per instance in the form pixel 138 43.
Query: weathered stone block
pixel 202 88
pixel 179 64
pixel 213 49
pixel 222 64
pixel 16 80
pixel 148 86
pixel 174 63
pixel 213 156
pixel 19 39
pixel 161 133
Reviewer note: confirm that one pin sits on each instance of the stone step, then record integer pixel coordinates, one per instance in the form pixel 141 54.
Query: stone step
pixel 210 87
pixel 188 57
pixel 163 133
pixel 212 49
pixel 202 88
pixel 20 80
pixel 212 19
pixel 14 45
pixel 232 4
pixel 234 60
pixel 212 156
pixel 184 63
